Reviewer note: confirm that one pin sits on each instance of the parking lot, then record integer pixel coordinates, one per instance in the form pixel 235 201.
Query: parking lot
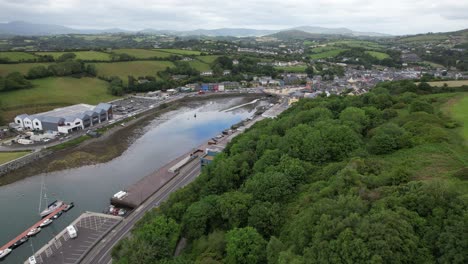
pixel 65 250
pixel 132 105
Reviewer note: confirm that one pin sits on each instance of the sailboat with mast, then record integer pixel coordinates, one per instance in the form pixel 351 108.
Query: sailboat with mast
pixel 50 207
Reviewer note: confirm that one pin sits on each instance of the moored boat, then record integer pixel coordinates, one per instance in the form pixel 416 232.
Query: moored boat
pixel 69 206
pixel 51 207
pixel 46 222
pixel 57 215
pixel 34 231
pixel 5 252
pixel 20 242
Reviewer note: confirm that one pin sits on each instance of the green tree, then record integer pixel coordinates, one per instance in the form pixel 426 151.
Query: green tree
pixel 245 246
pixel 91 69
pixel 38 72
pixel 233 207
pixel 329 142
pixel 153 241
pixel 272 187
pixel 310 71
pixel 15 81
pixel 201 217
pixel 421 106
pixel 266 217
pixel 388 138
pixel 355 118
pixel 66 56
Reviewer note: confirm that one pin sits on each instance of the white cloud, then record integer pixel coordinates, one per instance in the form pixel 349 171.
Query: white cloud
pixel 394 17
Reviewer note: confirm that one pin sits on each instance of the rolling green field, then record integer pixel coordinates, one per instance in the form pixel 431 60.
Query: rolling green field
pixel 23 68
pixel 199 66
pixel 53 92
pixel 9 156
pixel 378 55
pixel 180 51
pixel 143 53
pixel 326 54
pixel 460 113
pixel 81 55
pixel 17 56
pixel 208 59
pixel 135 68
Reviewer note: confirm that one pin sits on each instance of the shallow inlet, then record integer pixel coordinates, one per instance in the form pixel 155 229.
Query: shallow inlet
pixel 90 187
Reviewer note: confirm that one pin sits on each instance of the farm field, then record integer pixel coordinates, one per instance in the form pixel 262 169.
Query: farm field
pixel 9 156
pixel 135 68
pixel 199 66
pixel 326 54
pixel 81 55
pixel 143 53
pixel 208 59
pixel 449 83
pixel 180 51
pixel 16 56
pixel 53 92
pixel 22 68
pixel 378 55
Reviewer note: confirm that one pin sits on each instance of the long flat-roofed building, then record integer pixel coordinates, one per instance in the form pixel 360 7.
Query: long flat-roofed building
pixel 66 119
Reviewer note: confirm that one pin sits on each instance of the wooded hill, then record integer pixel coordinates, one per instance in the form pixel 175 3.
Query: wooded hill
pixel 378 178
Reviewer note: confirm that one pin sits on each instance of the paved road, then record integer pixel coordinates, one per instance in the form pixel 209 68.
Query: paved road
pixel 101 253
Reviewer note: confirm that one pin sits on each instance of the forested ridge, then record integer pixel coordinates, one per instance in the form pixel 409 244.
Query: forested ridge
pixel 377 178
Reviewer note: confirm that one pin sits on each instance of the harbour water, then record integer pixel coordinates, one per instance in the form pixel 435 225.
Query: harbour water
pixel 90 187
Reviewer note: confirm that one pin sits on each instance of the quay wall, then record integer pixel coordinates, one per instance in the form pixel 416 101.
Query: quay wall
pixel 22 161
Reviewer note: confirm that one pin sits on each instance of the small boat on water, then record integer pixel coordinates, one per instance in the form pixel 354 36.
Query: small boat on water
pixel 69 206
pixel 5 252
pixel 51 207
pixel 46 222
pixel 34 231
pixel 20 242
pixel 57 215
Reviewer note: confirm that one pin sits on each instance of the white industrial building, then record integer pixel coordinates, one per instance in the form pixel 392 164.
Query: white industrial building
pixel 67 119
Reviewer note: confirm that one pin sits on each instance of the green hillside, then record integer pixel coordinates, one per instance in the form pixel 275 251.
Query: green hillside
pixel 377 178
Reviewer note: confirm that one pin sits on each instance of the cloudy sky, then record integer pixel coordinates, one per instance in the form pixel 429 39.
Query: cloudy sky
pixel 385 16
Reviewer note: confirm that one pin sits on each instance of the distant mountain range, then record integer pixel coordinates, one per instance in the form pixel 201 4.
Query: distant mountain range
pixel 31 29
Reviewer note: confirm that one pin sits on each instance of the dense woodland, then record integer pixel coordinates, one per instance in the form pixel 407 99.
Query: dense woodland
pixel 378 178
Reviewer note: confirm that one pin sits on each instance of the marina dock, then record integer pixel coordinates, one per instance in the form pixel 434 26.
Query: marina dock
pixel 16 239
pixel 91 227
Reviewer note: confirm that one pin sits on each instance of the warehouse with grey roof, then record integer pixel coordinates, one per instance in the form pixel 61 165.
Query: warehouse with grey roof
pixel 66 119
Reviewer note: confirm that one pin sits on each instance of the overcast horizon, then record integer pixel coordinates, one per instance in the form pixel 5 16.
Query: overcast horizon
pixel 397 18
